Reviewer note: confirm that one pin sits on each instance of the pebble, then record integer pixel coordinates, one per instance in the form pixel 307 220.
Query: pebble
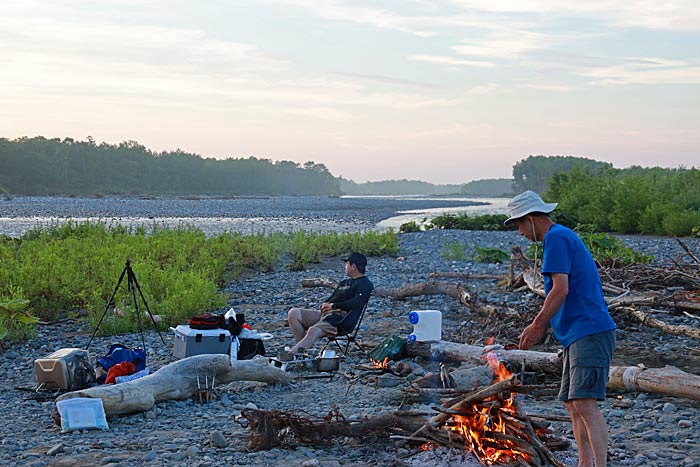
pixel 645 429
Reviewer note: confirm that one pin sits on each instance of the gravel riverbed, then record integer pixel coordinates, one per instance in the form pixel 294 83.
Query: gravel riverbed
pixel 645 429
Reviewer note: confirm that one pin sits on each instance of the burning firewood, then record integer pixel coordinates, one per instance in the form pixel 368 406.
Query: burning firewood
pixel 489 424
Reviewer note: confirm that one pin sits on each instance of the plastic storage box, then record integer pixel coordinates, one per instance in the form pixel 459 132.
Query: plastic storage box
pixel 190 341
pixel 59 369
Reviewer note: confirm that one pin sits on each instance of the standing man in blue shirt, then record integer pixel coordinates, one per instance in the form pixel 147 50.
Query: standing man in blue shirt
pixel 575 308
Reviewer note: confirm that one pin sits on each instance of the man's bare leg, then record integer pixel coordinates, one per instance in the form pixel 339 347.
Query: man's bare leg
pixel 312 335
pixel 590 431
pixel 294 319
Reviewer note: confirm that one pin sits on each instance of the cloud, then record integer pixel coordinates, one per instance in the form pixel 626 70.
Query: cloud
pixel 646 70
pixel 451 61
pixel 652 14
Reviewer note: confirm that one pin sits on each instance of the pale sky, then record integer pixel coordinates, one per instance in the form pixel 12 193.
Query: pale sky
pixel 445 91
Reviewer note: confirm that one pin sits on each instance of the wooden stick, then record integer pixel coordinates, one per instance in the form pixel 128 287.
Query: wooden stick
pixel 467 401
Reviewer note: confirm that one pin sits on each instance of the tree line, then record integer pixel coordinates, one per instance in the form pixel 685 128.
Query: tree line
pixel 657 201
pixel 42 166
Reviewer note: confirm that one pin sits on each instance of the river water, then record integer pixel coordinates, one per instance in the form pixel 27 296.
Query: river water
pixel 248 215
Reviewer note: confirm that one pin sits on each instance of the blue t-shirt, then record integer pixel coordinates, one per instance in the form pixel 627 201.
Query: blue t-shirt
pixel 584 311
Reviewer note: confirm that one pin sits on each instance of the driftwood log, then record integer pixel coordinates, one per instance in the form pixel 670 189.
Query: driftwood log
pixel 533 361
pixel 178 380
pixel 431 287
pixel 647 319
pixel 669 380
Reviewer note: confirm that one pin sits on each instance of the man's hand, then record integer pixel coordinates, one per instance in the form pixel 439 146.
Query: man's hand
pixel 326 307
pixel 531 335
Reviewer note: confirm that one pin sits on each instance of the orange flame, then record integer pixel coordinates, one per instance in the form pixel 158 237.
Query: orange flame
pixel 378 364
pixel 485 430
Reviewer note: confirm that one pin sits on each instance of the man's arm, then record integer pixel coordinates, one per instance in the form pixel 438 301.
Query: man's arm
pixel 362 293
pixel 534 333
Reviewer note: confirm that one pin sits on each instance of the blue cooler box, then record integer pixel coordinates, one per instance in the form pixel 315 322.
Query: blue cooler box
pixel 188 341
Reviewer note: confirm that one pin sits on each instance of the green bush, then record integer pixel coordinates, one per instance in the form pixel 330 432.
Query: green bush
pixel 631 200
pixel 681 222
pixel 180 270
pixel 454 251
pixel 651 219
pixel 15 320
pixel 408 227
pixel 491 222
pixel 490 255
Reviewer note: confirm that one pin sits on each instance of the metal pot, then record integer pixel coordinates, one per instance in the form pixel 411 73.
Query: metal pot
pixel 327 363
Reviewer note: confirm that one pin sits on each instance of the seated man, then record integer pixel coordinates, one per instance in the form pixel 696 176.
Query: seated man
pixel 351 294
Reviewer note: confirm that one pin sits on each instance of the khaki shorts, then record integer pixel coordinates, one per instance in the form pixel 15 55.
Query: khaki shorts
pixel 314 318
pixel 586 367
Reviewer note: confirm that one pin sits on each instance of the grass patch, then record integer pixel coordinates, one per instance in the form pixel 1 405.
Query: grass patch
pixel 61 268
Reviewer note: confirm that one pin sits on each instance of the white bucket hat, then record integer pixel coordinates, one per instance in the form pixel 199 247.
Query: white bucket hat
pixel 526 203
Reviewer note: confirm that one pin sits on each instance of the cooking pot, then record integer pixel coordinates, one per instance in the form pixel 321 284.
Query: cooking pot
pixel 327 363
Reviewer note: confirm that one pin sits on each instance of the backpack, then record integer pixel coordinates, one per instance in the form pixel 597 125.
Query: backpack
pixel 205 321
pixel 232 324
pixel 249 348
pixel 119 353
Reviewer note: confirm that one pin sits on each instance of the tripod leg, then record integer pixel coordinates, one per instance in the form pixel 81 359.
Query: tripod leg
pixel 153 320
pixel 132 289
pixel 109 302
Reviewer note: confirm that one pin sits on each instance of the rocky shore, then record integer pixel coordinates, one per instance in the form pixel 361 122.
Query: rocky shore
pixel 645 429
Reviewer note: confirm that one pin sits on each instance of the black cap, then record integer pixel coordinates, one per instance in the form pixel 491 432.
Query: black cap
pixel 358 259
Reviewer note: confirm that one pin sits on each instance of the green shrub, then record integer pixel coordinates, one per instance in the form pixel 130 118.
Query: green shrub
pixel 651 219
pixel 408 227
pixel 608 250
pixel 491 222
pixel 61 268
pixel 490 255
pixel 454 251
pixel 681 222
pixel 15 320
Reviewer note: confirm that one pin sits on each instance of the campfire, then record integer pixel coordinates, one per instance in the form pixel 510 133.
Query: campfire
pixel 380 365
pixel 490 425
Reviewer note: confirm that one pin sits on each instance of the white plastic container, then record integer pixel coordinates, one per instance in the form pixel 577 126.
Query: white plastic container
pixel 427 326
pixel 188 341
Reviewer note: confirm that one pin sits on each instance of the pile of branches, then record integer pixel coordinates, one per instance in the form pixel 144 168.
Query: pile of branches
pixel 526 439
pixel 637 289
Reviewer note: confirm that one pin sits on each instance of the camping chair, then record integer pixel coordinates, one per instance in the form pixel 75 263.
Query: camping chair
pixel 347 331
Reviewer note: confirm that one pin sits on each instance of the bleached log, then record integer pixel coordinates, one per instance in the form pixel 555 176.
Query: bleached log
pixel 668 380
pixel 534 281
pixel 178 380
pixel 431 287
pixel 318 282
pixel 542 361
pixel 648 320
pixel 464 275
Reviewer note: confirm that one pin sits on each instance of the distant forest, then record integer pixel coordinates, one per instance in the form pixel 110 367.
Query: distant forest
pixel 41 166
pixel 487 187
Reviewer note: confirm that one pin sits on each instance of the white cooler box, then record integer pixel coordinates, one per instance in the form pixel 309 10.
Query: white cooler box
pixel 190 341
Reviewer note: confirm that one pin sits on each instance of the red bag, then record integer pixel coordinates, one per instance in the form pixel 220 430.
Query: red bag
pixel 205 321
pixel 120 369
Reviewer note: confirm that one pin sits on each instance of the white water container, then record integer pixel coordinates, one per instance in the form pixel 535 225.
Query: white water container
pixel 427 326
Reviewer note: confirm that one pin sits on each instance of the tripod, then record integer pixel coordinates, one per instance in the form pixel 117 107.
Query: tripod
pixel 132 286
